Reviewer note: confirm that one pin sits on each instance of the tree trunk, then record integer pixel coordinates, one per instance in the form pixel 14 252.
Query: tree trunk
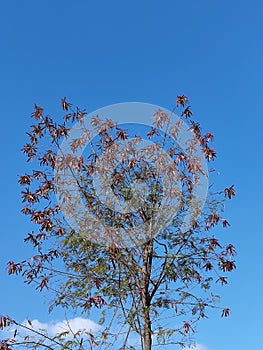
pixel 146 302
pixel 147 336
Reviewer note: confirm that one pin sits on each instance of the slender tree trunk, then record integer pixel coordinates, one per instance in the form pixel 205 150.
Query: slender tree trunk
pixel 147 336
pixel 146 302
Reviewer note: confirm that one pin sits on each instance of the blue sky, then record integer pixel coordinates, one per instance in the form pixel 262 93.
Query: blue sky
pixel 104 52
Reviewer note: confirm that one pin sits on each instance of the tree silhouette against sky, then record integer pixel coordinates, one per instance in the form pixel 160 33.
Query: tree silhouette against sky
pixel 149 279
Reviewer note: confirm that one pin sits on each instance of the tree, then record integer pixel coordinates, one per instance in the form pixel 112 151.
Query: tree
pixel 164 267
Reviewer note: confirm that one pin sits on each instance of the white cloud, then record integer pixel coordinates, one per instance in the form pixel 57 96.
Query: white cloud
pixel 196 347
pixel 75 324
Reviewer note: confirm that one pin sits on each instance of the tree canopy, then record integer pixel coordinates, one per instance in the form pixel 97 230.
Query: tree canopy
pixel 143 251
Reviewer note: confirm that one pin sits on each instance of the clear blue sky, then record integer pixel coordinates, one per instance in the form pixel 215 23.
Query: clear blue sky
pixel 102 52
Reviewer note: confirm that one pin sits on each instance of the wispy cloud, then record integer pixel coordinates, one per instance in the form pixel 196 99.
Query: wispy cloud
pixel 73 325
pixel 196 347
pixel 53 328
